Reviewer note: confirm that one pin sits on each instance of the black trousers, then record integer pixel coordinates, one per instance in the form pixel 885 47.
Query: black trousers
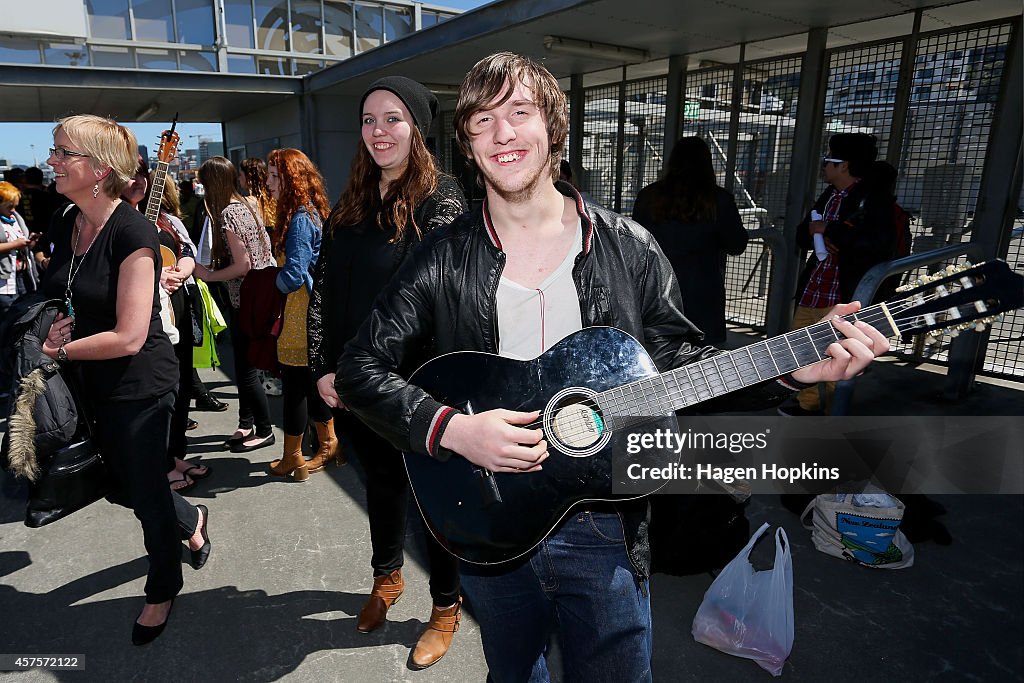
pixel 252 399
pixel 133 440
pixel 301 401
pixel 387 502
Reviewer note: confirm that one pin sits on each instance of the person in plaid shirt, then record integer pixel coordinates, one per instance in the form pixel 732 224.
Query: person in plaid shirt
pixel 857 232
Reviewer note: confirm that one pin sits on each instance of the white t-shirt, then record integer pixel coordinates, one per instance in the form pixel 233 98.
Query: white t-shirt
pixel 531 321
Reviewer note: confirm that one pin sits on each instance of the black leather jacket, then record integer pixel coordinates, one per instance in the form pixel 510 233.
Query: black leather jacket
pixel 447 292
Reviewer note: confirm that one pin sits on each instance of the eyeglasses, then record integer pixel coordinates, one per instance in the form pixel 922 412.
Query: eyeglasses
pixel 830 160
pixel 61 153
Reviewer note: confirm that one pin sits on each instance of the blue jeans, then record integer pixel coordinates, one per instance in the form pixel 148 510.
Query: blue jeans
pixel 579 578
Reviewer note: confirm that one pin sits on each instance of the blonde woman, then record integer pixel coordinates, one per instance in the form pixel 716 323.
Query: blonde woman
pixel 106 267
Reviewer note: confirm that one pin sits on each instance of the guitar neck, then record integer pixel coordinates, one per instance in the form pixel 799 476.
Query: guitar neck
pixel 727 372
pixel 156 194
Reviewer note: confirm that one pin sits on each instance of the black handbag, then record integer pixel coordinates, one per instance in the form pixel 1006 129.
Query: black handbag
pixel 75 476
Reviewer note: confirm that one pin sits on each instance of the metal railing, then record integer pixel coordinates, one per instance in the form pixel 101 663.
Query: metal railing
pixel 873 279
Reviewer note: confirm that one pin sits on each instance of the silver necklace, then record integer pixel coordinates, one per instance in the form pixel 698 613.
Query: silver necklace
pixel 72 271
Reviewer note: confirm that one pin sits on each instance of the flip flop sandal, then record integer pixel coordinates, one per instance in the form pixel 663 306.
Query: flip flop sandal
pixel 185 479
pixel 195 473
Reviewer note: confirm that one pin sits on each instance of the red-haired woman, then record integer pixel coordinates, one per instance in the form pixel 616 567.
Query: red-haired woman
pixel 298 190
pixel 394 196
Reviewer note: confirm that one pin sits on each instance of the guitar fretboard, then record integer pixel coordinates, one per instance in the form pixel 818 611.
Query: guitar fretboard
pixel 156 194
pixel 731 371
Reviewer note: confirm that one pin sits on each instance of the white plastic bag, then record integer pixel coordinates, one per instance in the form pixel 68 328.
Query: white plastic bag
pixel 749 613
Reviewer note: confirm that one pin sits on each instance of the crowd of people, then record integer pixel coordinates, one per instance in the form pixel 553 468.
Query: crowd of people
pixel 400 270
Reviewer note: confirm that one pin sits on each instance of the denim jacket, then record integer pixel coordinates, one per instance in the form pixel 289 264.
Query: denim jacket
pixel 301 249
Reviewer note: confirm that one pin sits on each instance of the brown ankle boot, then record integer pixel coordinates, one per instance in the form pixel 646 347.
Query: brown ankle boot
pixel 386 591
pixel 292 462
pixel 329 449
pixel 436 640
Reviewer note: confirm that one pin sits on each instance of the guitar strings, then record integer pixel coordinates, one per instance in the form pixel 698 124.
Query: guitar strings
pixel 818 332
pixel 579 426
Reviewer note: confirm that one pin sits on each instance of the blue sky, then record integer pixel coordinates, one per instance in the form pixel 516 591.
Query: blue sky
pixel 16 138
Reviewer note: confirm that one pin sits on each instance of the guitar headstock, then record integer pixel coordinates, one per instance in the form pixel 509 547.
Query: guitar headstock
pixel 168 143
pixel 958 299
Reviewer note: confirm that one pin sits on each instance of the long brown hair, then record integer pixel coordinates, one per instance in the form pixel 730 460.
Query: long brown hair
pixel 255 170
pixel 301 187
pixel 220 179
pixel 688 191
pixel 362 192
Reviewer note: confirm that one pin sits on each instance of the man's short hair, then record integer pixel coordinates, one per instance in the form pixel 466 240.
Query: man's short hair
pixel 857 149
pixel 491 76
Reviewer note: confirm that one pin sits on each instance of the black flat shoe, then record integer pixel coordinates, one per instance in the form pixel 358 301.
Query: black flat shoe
pixel 142 635
pixel 197 558
pixel 210 403
pixel 233 441
pixel 265 441
pixel 191 424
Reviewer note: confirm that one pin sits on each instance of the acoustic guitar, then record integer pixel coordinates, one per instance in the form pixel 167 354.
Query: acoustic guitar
pixel 600 381
pixel 168 148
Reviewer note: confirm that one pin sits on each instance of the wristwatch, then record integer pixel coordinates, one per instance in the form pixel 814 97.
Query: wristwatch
pixel 62 354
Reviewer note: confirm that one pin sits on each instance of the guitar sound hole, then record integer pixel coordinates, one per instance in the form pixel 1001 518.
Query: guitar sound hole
pixel 574 423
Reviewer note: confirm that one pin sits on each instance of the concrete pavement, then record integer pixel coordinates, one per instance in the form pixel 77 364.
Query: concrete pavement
pixel 290 570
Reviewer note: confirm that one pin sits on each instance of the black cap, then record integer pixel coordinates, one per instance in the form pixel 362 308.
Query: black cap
pixel 420 102
pixel 859 149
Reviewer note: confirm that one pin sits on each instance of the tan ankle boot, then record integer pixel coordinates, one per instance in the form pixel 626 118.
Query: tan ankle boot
pixel 329 449
pixel 436 640
pixel 386 591
pixel 292 462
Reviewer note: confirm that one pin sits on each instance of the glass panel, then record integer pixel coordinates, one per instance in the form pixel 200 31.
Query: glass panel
pixel 156 59
pixel 398 22
pixel 273 66
pixel 369 26
pixel 69 54
pixel 17 51
pixel 338 19
pixel 108 19
pixel 272 25
pixel 301 67
pixel 197 61
pixel 306 26
pixel 195 21
pixel 241 64
pixel 238 17
pixel 428 19
pixel 120 57
pixel 153 20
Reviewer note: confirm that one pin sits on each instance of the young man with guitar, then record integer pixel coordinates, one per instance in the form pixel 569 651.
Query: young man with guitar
pixel 531 266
